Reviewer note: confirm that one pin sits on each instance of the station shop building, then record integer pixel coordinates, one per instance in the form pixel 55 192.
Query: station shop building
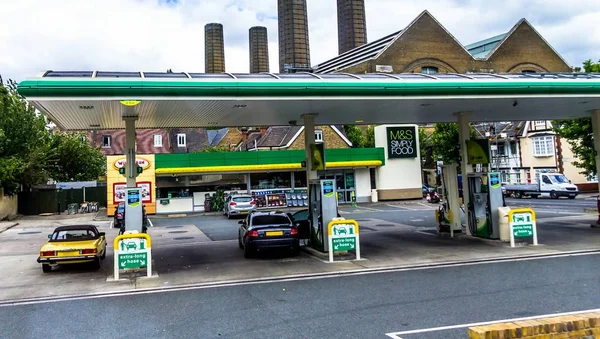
pixel 181 183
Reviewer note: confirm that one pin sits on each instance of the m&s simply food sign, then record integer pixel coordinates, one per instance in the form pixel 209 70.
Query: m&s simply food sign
pixel 401 142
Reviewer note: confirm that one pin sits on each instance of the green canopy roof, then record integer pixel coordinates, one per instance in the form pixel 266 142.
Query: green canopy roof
pixel 91 99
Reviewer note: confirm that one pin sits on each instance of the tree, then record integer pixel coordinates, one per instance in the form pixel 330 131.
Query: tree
pixel 214 149
pixel 24 142
pixel 355 135
pixel 425 147
pixel 75 159
pixel 579 133
pixel 445 143
pixel 370 136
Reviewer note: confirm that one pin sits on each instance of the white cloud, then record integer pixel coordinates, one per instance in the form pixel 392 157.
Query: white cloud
pixel 151 35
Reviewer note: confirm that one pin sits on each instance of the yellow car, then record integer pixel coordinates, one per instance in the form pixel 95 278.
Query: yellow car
pixel 73 245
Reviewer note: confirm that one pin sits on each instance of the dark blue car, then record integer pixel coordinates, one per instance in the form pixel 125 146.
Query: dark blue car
pixel 267 230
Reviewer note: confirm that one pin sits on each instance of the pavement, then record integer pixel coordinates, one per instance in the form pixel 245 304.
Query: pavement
pixel 434 303
pixel 6 225
pixel 203 249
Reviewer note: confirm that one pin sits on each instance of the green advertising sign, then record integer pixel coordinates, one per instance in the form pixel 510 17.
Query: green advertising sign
pixel 523 231
pixel 401 142
pixel 344 244
pixel 133 260
pixel 478 151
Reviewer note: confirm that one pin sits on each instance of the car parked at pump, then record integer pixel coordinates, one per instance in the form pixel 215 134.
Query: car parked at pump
pixel 119 218
pixel 238 204
pixel 73 245
pixel 267 230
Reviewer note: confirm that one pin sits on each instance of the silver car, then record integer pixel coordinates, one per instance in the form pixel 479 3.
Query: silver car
pixel 238 204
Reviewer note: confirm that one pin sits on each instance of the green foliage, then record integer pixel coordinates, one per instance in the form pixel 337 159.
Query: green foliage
pixel 214 149
pixel 425 147
pixel 218 200
pixel 445 143
pixel 25 143
pixel 355 135
pixel 360 138
pixel 75 158
pixel 370 137
pixel 579 133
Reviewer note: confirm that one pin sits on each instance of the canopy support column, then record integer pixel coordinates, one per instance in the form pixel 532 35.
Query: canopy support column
pixel 131 167
pixel 309 139
pixel 465 168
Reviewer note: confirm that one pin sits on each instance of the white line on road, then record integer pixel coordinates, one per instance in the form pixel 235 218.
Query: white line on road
pixel 150 222
pixel 288 278
pixel 429 207
pixel 403 207
pixel 396 335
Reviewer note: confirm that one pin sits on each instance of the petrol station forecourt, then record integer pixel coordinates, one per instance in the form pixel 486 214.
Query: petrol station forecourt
pixel 95 100
pixel 78 103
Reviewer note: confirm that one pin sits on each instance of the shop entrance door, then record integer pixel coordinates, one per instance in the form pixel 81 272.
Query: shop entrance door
pixel 344 183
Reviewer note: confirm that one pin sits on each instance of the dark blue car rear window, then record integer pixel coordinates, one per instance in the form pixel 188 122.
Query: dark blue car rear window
pixel 261 220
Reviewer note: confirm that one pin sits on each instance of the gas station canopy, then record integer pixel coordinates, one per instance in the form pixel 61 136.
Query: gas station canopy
pixel 84 100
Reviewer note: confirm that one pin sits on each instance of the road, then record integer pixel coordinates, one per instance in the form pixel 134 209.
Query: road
pixel 354 306
pixel 419 214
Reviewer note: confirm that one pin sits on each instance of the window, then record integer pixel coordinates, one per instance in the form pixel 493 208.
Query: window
pixel 528 71
pixel 546 180
pixel 543 146
pixel 181 140
pixel 262 220
pixel 158 140
pixel 106 141
pixel 540 122
pixel 318 135
pixel 429 70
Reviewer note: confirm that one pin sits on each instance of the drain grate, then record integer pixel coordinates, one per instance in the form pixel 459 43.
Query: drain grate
pixel 173 226
pixel 183 238
pixel 385 225
pixel 30 232
pixel 178 232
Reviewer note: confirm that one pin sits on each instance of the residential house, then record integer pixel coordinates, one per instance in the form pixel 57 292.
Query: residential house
pixel 148 141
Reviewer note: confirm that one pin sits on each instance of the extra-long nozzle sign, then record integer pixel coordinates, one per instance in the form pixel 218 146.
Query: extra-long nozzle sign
pixel 132 251
pixel 343 235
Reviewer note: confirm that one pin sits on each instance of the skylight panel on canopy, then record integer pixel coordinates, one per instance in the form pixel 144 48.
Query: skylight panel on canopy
pixel 101 74
pixel 69 74
pixel 164 75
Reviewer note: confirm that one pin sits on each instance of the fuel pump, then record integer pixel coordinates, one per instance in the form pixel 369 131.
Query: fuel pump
pixel 323 208
pixel 485 196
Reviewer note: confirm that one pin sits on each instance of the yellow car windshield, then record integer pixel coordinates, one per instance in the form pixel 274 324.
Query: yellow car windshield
pixel 74 235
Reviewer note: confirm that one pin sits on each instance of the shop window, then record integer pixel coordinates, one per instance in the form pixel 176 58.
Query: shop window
pixel 372 175
pixel 158 142
pixel 300 179
pixel 259 181
pixel 543 146
pixel 106 141
pixel 429 70
pixel 318 135
pixel 181 142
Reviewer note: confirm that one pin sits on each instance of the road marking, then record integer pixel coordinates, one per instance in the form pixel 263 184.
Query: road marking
pixel 403 207
pixel 426 233
pixel 428 206
pixel 289 278
pixel 396 335
pixel 370 209
pixel 150 222
pixel 112 222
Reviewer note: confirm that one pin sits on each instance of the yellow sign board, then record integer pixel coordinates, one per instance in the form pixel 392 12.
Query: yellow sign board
pixel 130 102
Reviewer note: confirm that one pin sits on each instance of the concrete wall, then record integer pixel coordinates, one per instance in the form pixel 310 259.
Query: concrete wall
pixel 8 206
pixel 399 178
pixel 362 180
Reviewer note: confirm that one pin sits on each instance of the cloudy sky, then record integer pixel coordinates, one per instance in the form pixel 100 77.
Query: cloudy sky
pixel 154 35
